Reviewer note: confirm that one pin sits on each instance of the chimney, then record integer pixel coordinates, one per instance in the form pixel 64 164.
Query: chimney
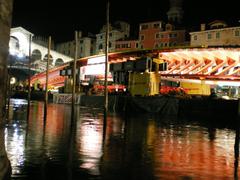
pixel 203 27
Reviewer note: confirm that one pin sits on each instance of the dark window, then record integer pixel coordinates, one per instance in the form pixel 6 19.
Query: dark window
pixel 145 26
pixel 156 25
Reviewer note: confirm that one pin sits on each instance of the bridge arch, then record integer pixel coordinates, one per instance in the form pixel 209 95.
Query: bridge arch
pixel 50 59
pixel 14 43
pixel 36 55
pixel 59 62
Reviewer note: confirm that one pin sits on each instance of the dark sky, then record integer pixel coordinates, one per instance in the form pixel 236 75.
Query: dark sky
pixel 60 18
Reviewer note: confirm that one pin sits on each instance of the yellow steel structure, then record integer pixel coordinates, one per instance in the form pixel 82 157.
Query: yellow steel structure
pixel 144 83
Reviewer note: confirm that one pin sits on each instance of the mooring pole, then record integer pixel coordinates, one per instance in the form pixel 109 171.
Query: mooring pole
pixel 46 84
pixel 29 76
pixel 236 144
pixel 8 90
pixel 74 74
pixel 106 59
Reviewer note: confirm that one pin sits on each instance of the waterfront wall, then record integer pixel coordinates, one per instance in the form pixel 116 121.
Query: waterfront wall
pixel 214 109
pixel 5 24
pixel 152 104
pixel 166 105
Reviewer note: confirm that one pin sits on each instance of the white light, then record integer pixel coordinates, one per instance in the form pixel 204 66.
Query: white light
pixel 13 80
pixel 96 60
pixel 95 69
pixel 12 51
pixel 20 55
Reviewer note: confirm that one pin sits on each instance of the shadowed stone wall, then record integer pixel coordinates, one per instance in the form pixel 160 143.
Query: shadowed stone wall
pixel 5 25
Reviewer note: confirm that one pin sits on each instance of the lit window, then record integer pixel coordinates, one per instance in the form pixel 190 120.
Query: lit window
pixel 209 36
pixel 237 33
pixel 217 35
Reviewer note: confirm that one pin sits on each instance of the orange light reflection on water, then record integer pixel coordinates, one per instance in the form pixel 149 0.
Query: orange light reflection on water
pixel 189 153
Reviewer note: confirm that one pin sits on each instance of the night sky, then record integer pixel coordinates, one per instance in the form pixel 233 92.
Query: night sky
pixel 60 19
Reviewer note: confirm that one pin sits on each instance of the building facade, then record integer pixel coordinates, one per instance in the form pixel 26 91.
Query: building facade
pixel 122 45
pixel 218 34
pixel 119 30
pixel 86 46
pixel 157 35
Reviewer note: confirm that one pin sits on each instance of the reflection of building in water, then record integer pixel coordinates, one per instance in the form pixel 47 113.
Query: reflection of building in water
pixel 14 136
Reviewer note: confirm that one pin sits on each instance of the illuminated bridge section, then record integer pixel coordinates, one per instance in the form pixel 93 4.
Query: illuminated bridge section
pixel 209 64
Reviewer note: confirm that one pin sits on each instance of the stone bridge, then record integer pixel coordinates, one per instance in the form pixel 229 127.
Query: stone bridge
pixel 19 46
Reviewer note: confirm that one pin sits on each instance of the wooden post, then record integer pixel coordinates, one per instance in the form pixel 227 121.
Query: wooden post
pixel 29 75
pixel 236 152
pixel 46 84
pixel 74 74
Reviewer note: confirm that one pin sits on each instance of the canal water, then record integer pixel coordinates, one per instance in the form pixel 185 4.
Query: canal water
pixel 134 147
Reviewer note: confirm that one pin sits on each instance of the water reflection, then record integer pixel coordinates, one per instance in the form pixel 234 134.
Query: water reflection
pixel 135 147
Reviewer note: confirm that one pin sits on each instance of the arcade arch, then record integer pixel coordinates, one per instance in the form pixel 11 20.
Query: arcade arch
pixel 36 55
pixel 59 62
